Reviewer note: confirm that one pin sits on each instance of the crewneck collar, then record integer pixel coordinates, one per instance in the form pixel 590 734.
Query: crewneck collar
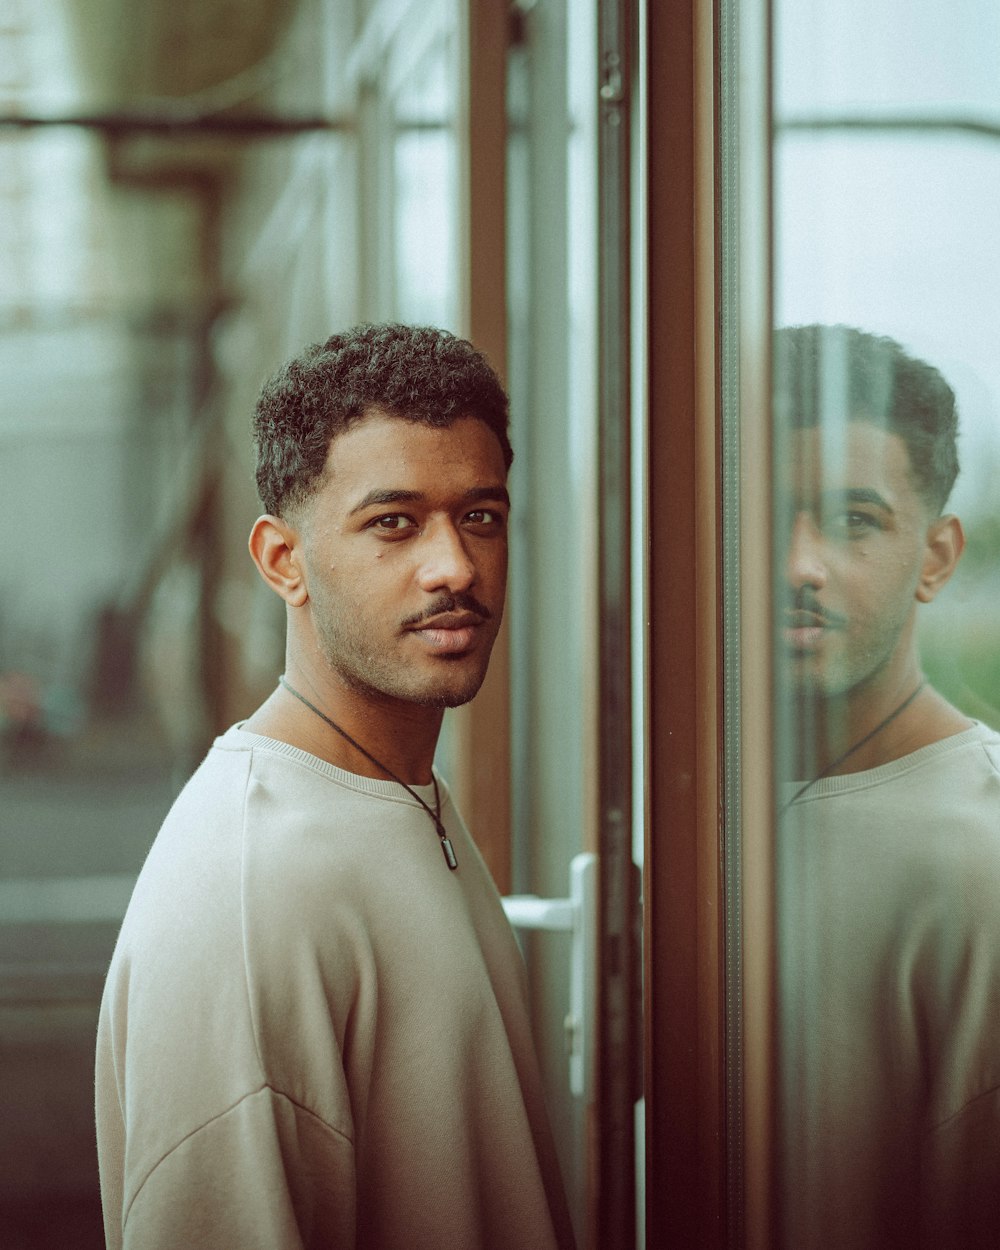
pixel 238 738
pixel 845 782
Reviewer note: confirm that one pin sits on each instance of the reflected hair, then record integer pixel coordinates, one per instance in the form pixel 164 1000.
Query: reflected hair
pixel 418 373
pixel 825 373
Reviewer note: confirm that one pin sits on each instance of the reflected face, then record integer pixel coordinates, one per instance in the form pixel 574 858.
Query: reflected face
pixel 856 539
pixel 405 555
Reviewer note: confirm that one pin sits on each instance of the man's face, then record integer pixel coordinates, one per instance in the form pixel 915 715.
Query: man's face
pixel 405 554
pixel 857 532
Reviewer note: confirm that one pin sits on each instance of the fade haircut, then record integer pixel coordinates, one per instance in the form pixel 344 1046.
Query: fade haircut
pixel 417 373
pixel 837 372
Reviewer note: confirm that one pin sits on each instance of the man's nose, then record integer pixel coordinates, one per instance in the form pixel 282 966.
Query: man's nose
pixel 446 564
pixel 804 563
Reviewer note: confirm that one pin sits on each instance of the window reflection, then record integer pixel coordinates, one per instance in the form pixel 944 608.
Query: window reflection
pixel 889 840
pixel 888 847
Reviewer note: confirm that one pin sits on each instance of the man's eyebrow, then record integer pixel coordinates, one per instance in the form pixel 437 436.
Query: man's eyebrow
pixel 860 494
pixel 479 494
pixel 382 495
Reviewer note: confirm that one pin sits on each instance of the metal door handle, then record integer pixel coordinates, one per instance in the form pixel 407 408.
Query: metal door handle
pixel 576 915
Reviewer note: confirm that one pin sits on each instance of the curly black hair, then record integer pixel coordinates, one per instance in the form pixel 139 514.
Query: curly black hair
pixel 418 373
pixel 872 379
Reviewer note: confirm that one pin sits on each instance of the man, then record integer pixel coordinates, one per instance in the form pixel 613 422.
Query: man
pixel 889 852
pixel 314 1030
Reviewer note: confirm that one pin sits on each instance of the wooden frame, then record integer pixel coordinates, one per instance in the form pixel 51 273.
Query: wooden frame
pixel 684 896
pixel 709 945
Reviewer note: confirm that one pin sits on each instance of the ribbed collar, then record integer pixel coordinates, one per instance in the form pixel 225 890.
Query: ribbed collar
pixel 828 786
pixel 239 739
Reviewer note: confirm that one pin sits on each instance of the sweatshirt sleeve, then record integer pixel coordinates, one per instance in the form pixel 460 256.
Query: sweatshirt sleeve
pixel 267 1173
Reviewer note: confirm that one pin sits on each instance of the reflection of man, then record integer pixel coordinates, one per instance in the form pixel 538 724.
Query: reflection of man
pixel 314 1030
pixel 889 859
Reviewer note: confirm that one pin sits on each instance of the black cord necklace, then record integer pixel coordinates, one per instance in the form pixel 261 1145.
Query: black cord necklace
pixel 856 747
pixel 434 813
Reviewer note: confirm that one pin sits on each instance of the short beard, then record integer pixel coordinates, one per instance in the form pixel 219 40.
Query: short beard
pixel 368 677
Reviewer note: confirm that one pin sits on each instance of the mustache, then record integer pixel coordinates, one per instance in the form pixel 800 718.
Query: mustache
pixel 804 600
pixel 449 603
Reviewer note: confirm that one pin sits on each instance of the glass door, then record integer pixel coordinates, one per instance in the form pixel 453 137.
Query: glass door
pixel 886 264
pixel 572 99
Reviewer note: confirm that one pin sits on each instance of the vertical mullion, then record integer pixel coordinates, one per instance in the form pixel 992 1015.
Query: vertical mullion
pixel 618 963
pixel 752 343
pixel 684 921
pixel 729 437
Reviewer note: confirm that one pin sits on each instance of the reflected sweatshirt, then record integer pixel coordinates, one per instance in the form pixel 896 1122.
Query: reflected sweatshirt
pixel 889 1003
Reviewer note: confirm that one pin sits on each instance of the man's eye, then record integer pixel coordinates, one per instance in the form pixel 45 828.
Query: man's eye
pixel 393 521
pixel 851 523
pixel 484 516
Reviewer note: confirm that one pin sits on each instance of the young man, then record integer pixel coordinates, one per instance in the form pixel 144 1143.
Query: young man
pixel 314 1031
pixel 889 849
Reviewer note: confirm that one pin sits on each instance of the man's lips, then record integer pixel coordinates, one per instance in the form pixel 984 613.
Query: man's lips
pixel 806 630
pixel 449 632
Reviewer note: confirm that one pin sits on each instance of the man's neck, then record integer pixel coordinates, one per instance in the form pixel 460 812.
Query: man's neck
pixel 400 736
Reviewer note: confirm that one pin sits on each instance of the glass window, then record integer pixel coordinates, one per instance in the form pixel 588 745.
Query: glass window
pixel 551 207
pixel 886 267
pixel 426 189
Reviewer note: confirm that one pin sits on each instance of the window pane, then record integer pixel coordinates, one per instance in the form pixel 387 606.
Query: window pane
pixel 887 160
pixel 426 189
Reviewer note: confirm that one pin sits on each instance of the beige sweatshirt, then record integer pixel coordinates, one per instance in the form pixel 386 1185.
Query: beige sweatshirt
pixel 313 1033
pixel 889 1004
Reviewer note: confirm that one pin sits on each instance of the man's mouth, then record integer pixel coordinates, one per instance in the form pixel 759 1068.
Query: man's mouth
pixel 805 631
pixel 449 633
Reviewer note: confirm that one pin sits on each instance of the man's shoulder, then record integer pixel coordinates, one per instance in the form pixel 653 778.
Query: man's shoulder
pixel 989 739
pixel 223 817
pixel 246 777
pixel 971 757
pixel 284 828
pixel 243 867
pixel 939 770
pixel 942 799
pixel 266 837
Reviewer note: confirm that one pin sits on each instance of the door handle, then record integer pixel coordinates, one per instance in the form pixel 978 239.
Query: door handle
pixel 576 915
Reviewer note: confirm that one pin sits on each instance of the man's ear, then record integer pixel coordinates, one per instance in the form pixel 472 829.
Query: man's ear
pixel 945 544
pixel 275 547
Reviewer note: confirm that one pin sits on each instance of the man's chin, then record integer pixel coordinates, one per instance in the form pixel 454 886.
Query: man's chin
pixel 809 674
pixel 818 685
pixel 443 683
pixel 450 688
pixel 451 697
pixel 451 682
